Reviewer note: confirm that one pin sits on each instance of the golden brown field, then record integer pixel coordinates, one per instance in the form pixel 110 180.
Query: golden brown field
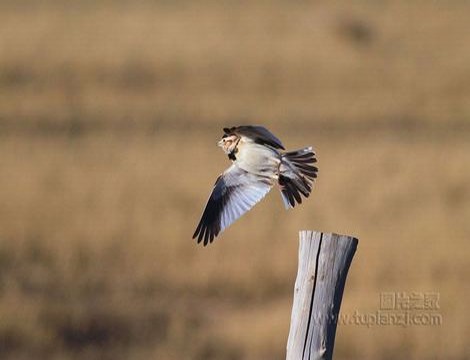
pixel 109 115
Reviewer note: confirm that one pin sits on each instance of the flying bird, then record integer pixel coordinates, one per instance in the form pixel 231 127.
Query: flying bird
pixel 258 163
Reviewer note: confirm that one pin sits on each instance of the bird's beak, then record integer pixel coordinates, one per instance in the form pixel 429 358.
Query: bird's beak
pixel 220 143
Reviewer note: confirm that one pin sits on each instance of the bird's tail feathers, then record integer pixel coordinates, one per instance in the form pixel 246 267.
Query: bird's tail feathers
pixel 297 175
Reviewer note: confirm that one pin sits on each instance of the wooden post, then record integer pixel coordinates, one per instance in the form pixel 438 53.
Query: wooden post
pixel 324 261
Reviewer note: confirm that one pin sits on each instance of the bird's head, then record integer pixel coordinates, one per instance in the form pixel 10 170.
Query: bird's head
pixel 228 143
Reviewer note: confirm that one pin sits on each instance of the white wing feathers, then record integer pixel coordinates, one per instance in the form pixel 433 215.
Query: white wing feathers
pixel 235 192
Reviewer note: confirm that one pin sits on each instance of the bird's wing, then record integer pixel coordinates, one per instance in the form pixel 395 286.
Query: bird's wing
pixel 235 192
pixel 259 134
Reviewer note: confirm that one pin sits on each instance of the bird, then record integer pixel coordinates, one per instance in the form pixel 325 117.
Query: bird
pixel 259 162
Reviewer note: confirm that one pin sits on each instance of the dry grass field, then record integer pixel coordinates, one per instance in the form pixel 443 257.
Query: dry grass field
pixel 109 115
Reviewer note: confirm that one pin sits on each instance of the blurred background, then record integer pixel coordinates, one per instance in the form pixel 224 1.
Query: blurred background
pixel 109 116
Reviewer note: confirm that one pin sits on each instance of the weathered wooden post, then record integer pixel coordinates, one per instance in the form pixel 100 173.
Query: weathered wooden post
pixel 324 261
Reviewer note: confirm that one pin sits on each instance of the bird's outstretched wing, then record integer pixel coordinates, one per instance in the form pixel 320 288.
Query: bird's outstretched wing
pixel 235 192
pixel 259 134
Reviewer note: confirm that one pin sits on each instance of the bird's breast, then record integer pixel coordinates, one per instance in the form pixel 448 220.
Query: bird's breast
pixel 258 159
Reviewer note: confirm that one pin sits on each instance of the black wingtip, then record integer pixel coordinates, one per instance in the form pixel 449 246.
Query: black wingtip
pixel 205 234
pixel 197 232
